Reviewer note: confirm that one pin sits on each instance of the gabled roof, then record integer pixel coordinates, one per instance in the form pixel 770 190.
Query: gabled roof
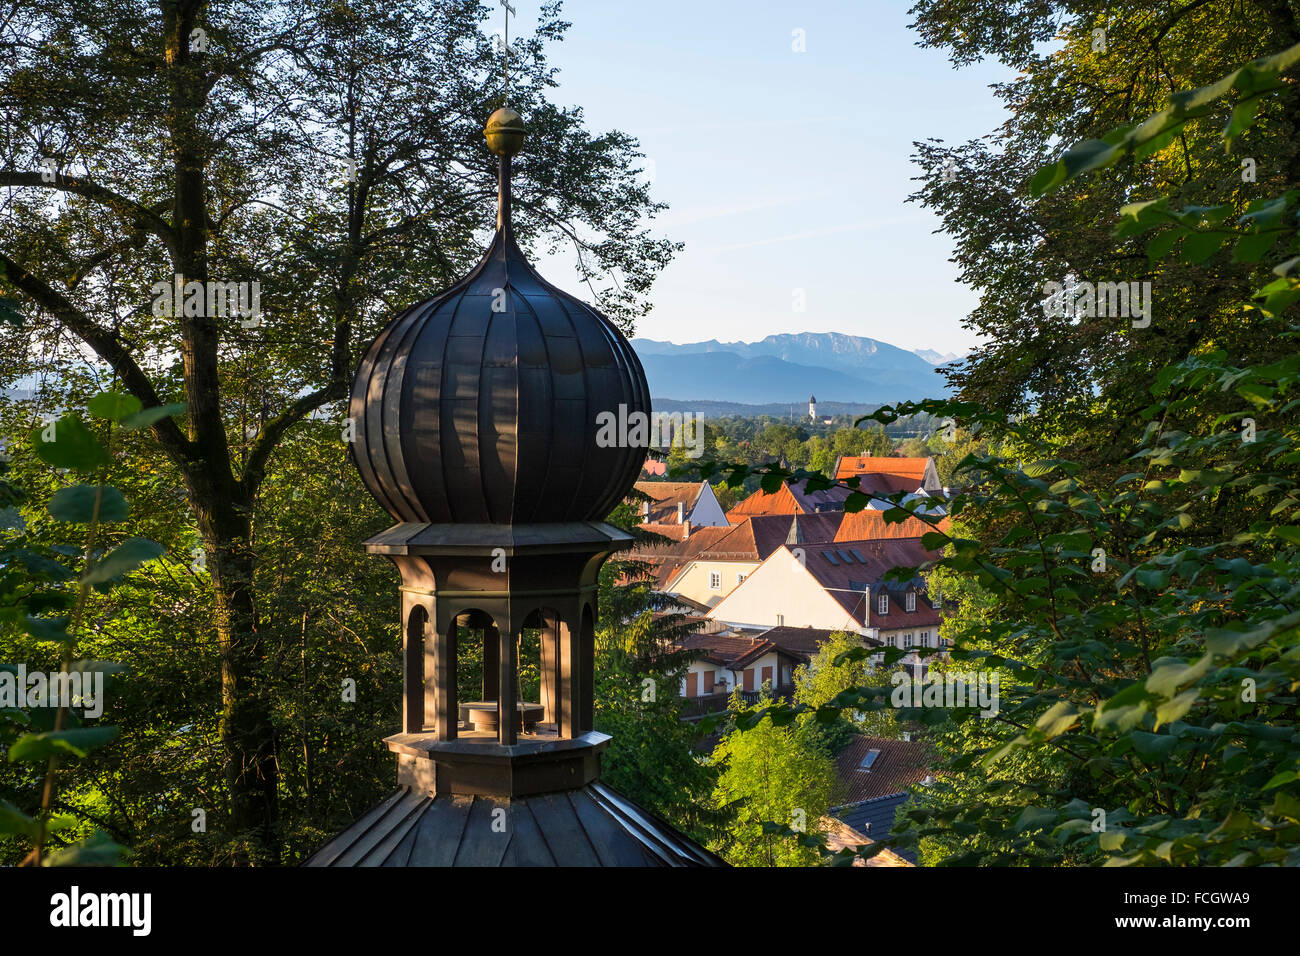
pixel 847 576
pixel 911 468
pixel 828 499
pixel 804 641
pixel 885 485
pixel 666 495
pixel 729 650
pixel 667 558
pixel 898 765
pixel 758 536
pixel 870 524
pixel 874 819
pixel 790 498
pixel 841 836
pixel 779 502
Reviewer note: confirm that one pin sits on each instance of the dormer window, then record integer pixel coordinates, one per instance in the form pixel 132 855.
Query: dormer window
pixel 911 600
pixel 882 604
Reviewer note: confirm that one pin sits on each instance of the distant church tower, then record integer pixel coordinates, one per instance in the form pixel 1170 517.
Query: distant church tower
pixel 812 407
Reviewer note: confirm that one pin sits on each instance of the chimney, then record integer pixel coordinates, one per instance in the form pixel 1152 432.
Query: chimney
pixel 645 511
pixel 681 512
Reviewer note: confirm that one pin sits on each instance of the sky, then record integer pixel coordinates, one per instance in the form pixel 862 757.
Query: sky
pixel 785 172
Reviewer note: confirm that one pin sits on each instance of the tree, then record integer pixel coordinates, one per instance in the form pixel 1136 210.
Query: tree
pixel 842 664
pixel 773 775
pixel 1150 627
pixel 329 153
pixel 1083 377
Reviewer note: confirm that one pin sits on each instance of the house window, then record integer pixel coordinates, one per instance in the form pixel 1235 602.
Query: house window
pixel 925 638
pixel 868 760
pixel 740 579
pixel 882 604
pixel 715 580
pixel 908 637
pixel 911 600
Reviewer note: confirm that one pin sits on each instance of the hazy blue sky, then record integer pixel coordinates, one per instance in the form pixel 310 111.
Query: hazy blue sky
pixel 783 170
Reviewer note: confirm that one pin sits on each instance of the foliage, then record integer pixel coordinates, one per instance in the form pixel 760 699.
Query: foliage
pixel 833 670
pixel 38 578
pixel 782 775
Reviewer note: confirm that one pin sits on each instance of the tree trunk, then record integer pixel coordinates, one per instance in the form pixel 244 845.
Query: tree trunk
pixel 247 733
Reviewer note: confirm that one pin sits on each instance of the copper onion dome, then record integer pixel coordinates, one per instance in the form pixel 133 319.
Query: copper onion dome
pixel 480 405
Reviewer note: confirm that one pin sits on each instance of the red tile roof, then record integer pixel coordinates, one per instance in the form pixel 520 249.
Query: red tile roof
pixel 899 764
pixel 804 641
pixel 779 502
pixel 864 564
pixel 758 536
pixel 790 498
pixel 870 524
pixel 666 495
pixel 886 485
pixel 911 468
pixel 666 558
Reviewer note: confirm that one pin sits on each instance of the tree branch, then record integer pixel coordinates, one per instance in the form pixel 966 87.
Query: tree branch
pixel 138 216
pixel 107 346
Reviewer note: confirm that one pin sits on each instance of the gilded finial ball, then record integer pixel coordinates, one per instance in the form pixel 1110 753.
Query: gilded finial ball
pixel 504 132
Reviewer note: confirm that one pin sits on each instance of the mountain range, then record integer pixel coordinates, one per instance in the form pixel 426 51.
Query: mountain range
pixel 790 368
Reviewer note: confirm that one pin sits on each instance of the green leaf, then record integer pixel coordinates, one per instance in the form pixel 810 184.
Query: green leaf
pixel 47 628
pixel 1034 818
pixel 1160 246
pixel 1252 246
pixel 78 741
pixel 1081 158
pixel 154 414
pixel 1039 468
pixel 11 310
pixel 1172 710
pixel 1286 776
pixel 113 406
pixel 14 821
pixel 1287 532
pixel 77 503
pixel 99 849
pixel 1061 717
pixel 67 443
pixel 1155 747
pixel 1243 117
pixel 1199 246
pixel 1111 840
pixel 127 556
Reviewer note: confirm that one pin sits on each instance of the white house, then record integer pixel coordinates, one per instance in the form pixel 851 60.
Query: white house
pixel 839 586
pixel 676 507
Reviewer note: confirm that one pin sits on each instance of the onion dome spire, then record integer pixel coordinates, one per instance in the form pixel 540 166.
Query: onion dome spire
pixel 481 405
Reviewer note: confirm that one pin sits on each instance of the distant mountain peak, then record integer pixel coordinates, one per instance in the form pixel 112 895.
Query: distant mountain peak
pixel 935 358
pixel 786 367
